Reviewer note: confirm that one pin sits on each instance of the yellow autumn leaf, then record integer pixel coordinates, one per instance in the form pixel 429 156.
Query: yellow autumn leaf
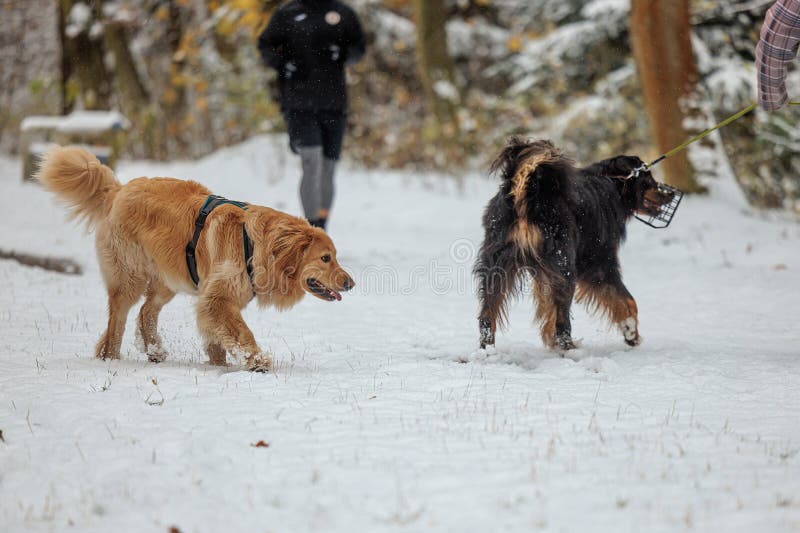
pixel 251 19
pixel 402 96
pixel 170 96
pixel 162 13
pixel 514 43
pixel 226 27
pixel 178 80
pixel 396 4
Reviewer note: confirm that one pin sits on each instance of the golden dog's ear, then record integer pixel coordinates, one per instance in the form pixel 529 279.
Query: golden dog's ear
pixel 278 256
pixel 289 249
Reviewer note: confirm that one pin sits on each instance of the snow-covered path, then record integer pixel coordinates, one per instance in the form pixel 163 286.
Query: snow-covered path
pixel 382 415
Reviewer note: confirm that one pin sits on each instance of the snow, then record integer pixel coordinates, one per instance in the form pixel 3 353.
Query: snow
pixel 382 415
pixel 392 32
pixel 80 15
pixel 96 30
pixel 93 122
pixel 579 107
pixel 732 83
pixel 599 8
pixel 119 11
pixel 78 122
pixel 446 90
pixel 466 39
pixel 37 122
pixel 562 48
pixel 537 11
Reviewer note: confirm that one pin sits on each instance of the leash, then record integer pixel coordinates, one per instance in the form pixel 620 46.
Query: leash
pixel 700 136
pixel 667 211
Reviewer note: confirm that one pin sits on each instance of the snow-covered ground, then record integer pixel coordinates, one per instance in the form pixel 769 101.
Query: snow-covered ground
pixel 382 415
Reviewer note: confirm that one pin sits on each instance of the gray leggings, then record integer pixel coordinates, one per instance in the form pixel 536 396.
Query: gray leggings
pixel 316 188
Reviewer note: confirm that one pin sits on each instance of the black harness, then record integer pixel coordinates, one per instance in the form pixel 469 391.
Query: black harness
pixel 211 203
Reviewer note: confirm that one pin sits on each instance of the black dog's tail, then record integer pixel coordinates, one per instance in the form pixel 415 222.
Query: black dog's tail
pixel 534 170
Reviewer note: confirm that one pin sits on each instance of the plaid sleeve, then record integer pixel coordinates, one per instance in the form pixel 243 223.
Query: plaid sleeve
pixel 777 47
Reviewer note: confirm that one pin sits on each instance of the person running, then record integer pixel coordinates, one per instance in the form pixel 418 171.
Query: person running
pixel 309 43
pixel 780 36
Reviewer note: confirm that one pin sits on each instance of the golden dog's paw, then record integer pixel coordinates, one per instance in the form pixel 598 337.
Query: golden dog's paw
pixel 216 355
pixel 259 363
pixel 154 351
pixel 156 354
pixel 102 351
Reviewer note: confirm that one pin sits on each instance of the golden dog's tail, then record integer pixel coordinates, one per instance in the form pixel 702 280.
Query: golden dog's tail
pixel 79 180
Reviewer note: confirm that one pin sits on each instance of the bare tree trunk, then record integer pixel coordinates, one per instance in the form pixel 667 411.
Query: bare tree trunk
pixel 87 78
pixel 132 94
pixel 174 101
pixel 662 47
pixel 12 36
pixel 132 91
pixel 66 67
pixel 436 69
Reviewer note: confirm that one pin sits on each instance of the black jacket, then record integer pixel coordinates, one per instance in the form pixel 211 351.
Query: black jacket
pixel 309 42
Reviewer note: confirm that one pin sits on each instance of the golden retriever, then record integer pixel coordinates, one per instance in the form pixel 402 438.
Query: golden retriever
pixel 142 229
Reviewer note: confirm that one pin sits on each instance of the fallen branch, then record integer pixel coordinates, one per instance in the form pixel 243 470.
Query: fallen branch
pixel 54 264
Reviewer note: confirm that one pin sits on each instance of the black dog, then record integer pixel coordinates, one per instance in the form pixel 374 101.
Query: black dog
pixel 563 225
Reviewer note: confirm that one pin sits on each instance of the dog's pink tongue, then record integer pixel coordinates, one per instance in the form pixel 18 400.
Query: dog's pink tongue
pixel 333 294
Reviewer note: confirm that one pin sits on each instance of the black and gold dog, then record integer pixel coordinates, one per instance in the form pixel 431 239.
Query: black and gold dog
pixel 563 225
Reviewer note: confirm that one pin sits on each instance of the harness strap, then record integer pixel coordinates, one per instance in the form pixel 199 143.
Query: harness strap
pixel 248 253
pixel 211 203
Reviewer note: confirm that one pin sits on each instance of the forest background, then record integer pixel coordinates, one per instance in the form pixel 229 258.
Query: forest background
pixel 444 82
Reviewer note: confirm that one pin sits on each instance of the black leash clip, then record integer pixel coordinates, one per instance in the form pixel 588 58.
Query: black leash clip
pixel 636 172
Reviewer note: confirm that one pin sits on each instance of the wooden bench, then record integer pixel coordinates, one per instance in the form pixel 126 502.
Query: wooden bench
pixel 100 132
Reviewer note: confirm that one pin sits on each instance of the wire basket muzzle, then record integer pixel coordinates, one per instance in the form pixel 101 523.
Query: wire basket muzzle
pixel 666 212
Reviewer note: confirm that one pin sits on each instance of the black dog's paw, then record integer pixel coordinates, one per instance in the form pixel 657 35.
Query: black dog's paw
pixel 487 335
pixel 565 343
pixel 630 331
pixel 634 341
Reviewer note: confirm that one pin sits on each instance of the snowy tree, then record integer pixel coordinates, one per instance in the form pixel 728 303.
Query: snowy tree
pixel 85 77
pixel 443 84
pixel 436 69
